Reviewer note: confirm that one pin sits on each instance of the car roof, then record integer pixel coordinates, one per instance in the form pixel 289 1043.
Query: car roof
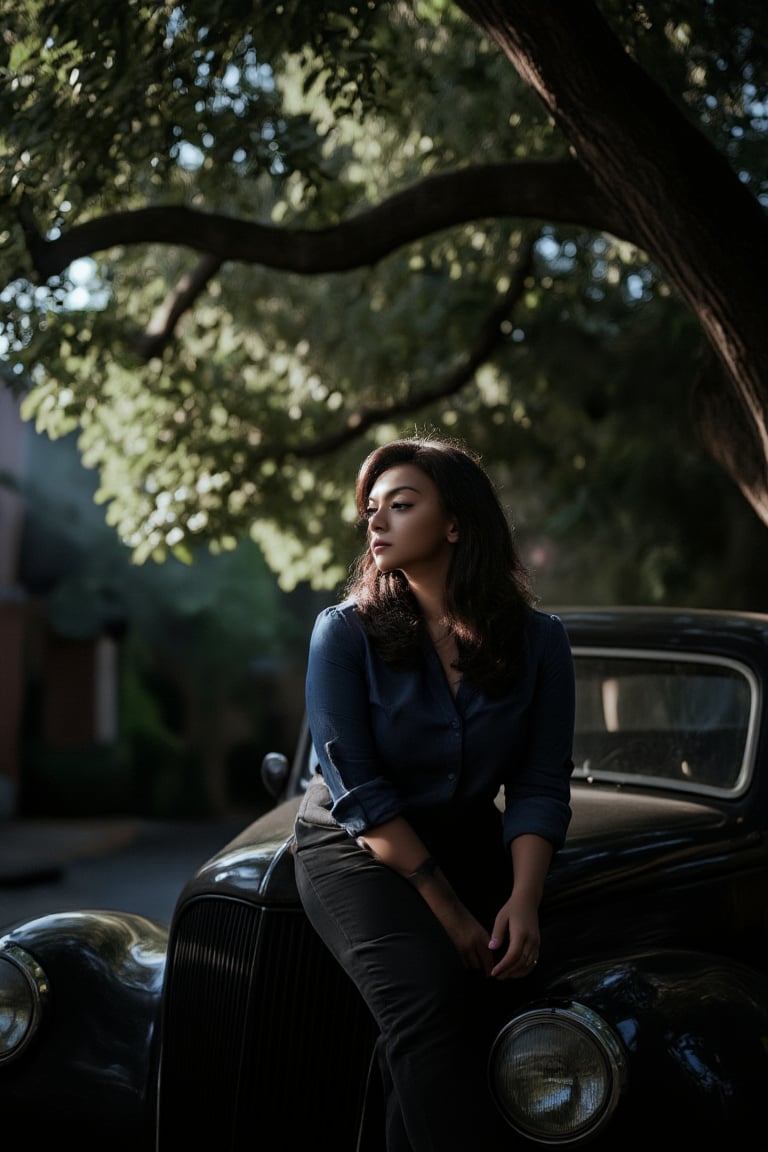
pixel 736 634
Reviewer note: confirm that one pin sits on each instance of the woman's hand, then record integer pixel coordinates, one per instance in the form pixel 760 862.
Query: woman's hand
pixel 516 926
pixel 516 937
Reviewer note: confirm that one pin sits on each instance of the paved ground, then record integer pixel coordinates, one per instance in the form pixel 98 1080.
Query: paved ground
pixel 130 864
pixel 32 851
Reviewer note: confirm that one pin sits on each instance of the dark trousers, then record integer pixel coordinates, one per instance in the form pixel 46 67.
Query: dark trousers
pixel 430 1010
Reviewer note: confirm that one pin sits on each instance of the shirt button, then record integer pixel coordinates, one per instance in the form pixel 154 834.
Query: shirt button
pixel 455 724
pixel 451 775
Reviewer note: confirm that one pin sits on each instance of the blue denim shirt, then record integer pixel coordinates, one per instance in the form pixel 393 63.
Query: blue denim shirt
pixel 393 740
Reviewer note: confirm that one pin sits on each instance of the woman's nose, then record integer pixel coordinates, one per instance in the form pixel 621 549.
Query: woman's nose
pixel 377 520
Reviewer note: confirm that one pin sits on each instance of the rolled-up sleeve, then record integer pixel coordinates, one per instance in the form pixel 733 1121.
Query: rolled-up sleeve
pixel 338 713
pixel 537 788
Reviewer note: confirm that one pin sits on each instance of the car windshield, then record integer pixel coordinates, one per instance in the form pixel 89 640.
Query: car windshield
pixel 683 722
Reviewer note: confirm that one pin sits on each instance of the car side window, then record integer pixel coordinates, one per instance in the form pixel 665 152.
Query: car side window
pixel 682 722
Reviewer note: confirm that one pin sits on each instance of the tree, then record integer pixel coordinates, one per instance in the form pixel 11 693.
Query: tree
pixel 315 226
pixel 202 648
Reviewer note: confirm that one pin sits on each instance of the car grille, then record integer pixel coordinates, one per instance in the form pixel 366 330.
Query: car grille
pixel 260 1030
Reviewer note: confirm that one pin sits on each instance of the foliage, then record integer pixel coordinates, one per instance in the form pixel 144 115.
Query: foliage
pixel 212 620
pixel 247 412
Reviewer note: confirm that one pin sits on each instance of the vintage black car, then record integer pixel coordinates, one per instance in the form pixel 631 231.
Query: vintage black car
pixel 646 1019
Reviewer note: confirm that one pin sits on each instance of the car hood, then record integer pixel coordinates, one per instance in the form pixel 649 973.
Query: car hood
pixel 617 835
pixel 616 838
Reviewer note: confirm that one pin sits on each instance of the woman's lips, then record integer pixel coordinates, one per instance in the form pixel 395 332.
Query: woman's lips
pixel 378 546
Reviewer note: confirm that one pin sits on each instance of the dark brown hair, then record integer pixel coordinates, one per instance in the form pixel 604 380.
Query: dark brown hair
pixel 488 589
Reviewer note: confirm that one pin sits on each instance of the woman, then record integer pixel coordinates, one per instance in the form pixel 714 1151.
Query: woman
pixel 432 686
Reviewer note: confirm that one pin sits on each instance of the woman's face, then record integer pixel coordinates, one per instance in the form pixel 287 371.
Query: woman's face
pixel 408 528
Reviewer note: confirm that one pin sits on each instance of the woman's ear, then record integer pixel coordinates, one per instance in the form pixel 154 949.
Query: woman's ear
pixel 453 532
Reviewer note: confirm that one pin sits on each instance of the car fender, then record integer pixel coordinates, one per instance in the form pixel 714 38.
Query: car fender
pixel 96 980
pixel 693 1025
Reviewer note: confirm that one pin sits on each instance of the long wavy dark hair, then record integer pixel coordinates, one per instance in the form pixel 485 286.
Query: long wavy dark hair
pixel 488 591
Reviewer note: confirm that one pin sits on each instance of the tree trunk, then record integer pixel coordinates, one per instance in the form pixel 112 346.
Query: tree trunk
pixel 686 207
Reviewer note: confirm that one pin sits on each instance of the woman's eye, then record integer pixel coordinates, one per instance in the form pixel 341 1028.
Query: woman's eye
pixel 395 506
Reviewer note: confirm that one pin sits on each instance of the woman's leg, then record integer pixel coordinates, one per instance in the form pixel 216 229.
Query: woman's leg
pixel 388 941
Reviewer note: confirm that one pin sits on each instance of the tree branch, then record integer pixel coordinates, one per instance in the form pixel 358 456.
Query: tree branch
pixel 162 326
pixel 558 191
pixel 490 336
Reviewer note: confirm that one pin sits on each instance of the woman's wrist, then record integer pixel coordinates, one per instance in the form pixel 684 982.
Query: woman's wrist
pixel 424 873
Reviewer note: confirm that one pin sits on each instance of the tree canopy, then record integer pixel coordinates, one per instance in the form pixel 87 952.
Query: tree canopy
pixel 244 242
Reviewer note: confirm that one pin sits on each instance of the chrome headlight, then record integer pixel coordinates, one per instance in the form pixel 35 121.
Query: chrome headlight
pixel 557 1073
pixel 23 993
